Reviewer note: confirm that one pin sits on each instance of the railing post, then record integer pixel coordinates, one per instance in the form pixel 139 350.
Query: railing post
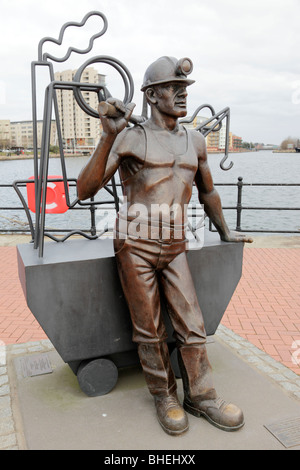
pixel 93 219
pixel 239 204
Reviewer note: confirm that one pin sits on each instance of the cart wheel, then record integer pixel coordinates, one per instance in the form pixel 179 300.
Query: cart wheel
pixel 97 377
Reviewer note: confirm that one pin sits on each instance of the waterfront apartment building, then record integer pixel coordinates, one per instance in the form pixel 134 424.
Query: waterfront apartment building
pixel 236 142
pixel 79 130
pixel 5 134
pixel 20 134
pixel 215 141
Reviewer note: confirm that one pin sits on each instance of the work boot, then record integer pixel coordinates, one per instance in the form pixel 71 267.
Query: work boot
pixel 161 382
pixel 171 415
pixel 200 397
pixel 218 412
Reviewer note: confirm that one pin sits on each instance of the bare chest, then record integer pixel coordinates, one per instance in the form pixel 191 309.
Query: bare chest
pixel 164 155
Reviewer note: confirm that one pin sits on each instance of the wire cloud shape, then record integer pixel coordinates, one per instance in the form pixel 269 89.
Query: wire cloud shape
pixel 44 57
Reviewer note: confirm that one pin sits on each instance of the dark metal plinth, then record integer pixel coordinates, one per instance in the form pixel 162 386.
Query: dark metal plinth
pixel 75 294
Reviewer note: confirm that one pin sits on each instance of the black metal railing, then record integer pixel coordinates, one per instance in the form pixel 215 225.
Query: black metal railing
pixel 28 226
pixel 239 207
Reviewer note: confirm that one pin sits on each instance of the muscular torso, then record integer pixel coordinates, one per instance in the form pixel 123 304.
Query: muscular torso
pixel 159 174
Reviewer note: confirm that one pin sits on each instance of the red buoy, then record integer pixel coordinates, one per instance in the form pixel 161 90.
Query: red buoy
pixel 55 197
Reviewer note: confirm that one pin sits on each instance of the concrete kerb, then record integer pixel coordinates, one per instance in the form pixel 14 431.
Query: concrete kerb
pixel 8 439
pixel 11 429
pixel 259 241
pixel 11 426
pixel 261 361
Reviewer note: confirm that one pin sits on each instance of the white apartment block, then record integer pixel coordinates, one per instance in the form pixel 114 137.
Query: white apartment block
pixel 222 136
pixel 78 128
pixel 214 139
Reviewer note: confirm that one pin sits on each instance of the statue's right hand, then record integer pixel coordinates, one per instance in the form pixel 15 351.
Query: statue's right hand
pixel 114 115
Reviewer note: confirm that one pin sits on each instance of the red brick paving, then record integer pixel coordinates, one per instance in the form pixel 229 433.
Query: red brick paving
pixel 265 308
pixel 17 324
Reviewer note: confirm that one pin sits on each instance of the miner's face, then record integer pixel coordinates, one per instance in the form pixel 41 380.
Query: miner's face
pixel 171 99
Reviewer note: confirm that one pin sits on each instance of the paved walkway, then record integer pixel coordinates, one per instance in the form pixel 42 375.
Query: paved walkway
pixel 265 308
pixel 50 411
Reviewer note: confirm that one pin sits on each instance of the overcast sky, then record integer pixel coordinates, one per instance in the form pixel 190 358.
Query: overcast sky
pixel 246 53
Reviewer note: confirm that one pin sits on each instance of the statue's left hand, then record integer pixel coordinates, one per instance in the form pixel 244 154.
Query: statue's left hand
pixel 236 237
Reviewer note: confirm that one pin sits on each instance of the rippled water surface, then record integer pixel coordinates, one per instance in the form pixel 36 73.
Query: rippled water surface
pixel 254 167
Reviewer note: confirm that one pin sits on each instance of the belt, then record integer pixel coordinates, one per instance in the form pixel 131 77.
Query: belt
pixel 149 231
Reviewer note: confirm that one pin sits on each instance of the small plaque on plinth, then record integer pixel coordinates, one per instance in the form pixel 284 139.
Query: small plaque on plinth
pixel 287 431
pixel 37 364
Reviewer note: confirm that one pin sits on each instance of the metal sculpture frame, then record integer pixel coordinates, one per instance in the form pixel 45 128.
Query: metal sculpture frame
pixel 213 124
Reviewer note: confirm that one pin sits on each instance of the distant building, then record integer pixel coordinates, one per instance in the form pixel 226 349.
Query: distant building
pixel 236 142
pixel 222 136
pixel 196 122
pixel 5 134
pixel 213 141
pixel 78 128
pixel 271 147
pixel 216 141
pixel 20 134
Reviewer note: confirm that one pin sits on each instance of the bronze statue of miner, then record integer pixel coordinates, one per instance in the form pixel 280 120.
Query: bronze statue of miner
pixel 159 160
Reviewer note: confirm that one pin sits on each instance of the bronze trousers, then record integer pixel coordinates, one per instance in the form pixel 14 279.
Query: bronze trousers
pixel 148 268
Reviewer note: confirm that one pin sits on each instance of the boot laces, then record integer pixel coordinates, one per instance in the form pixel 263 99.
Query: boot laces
pixel 171 402
pixel 220 402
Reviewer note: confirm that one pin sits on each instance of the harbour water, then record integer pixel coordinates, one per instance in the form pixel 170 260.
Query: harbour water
pixel 255 167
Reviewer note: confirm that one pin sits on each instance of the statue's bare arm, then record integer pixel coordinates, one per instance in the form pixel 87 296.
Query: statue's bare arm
pixel 209 196
pixel 106 158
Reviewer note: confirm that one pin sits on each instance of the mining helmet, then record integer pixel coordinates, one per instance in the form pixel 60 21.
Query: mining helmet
pixel 168 69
